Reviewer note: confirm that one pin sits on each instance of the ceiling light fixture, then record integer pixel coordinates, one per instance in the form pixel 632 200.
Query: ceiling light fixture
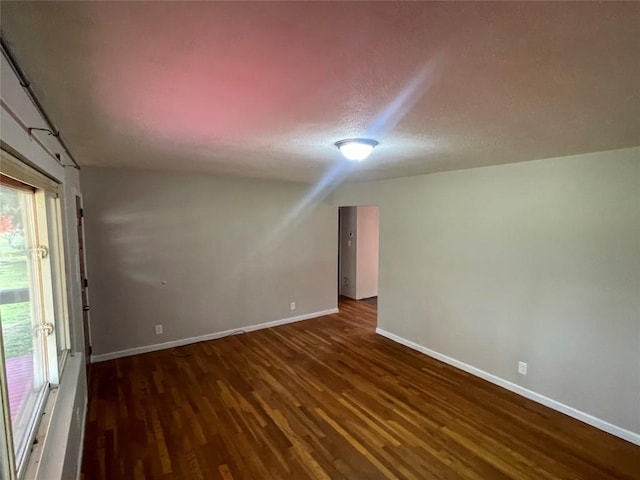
pixel 356 149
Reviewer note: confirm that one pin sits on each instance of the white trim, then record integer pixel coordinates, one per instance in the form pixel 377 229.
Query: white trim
pixel 210 336
pixel 84 429
pixel 531 395
pixel 57 430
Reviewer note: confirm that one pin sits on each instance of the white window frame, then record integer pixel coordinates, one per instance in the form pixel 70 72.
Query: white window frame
pixel 7 464
pixel 53 308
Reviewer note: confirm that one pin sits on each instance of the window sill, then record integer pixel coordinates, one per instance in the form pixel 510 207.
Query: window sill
pixel 58 448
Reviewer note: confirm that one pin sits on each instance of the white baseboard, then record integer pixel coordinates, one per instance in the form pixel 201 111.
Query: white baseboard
pixel 531 395
pixel 210 336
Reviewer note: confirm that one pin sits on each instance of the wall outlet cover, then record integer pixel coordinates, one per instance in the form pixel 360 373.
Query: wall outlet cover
pixel 522 368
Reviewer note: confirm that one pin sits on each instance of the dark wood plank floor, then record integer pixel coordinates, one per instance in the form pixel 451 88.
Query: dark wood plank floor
pixel 327 399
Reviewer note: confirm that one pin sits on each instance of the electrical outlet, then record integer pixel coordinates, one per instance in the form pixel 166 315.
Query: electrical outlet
pixel 346 281
pixel 292 306
pixel 522 368
pixel 158 329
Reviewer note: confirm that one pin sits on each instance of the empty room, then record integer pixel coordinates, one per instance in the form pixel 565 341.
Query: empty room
pixel 319 240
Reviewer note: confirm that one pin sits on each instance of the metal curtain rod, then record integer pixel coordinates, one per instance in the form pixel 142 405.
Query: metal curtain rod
pixel 24 82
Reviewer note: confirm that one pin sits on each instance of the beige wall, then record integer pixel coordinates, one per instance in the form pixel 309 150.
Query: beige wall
pixel 229 253
pixel 537 261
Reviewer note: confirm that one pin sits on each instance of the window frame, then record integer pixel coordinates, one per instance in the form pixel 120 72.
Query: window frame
pixel 7 457
pixel 51 283
pixel 59 285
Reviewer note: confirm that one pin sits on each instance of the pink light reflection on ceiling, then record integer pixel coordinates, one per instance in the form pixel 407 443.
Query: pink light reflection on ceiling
pixel 223 73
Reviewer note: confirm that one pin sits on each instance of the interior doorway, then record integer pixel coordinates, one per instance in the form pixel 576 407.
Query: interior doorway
pixel 358 253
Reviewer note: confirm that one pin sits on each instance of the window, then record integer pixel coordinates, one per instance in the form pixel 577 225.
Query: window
pixel 33 311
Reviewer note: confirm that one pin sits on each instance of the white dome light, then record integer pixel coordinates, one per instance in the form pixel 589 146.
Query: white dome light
pixel 356 149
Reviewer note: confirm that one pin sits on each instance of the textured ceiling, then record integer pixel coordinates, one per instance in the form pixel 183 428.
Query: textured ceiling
pixel 265 89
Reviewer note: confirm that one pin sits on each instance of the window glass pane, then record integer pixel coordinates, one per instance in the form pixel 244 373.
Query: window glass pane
pixel 20 313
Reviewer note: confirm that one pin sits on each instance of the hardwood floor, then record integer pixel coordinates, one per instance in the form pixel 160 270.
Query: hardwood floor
pixel 327 399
